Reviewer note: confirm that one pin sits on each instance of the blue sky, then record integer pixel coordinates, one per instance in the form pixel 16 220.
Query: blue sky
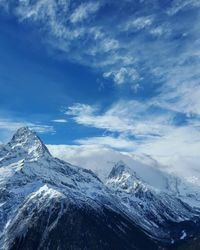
pixel 121 74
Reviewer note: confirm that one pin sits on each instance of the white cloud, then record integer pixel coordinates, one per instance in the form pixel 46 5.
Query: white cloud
pixel 109 141
pixel 84 11
pixel 13 126
pixel 172 144
pixel 41 10
pixel 181 141
pixel 131 117
pixel 179 5
pixel 138 23
pixel 9 126
pixel 85 115
pixel 123 75
pixel 177 153
pixel 160 30
pixel 181 91
pixel 105 45
pixel 78 109
pixel 101 160
pixel 60 120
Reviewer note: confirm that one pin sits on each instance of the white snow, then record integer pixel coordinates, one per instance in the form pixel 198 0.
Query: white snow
pixel 184 235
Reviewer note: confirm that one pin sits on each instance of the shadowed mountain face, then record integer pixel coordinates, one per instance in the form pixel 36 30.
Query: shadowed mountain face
pixel 49 204
pixel 79 228
pixel 193 244
pixel 46 203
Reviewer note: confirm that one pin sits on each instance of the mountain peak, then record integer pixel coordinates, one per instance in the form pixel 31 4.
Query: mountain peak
pixel 24 136
pixel 118 169
pixel 23 132
pixel 28 140
pixel 123 175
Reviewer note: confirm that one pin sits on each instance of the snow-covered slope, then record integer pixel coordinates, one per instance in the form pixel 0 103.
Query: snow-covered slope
pixel 162 213
pixel 46 203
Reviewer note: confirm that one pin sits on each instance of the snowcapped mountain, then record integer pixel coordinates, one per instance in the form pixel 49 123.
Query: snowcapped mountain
pixel 162 213
pixel 46 203
pixel 101 161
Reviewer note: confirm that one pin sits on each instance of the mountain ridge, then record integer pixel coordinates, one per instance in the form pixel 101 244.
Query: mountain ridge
pixel 158 212
pixel 39 193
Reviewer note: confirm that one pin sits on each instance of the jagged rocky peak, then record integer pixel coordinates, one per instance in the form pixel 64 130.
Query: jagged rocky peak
pixel 119 168
pixel 122 176
pixel 27 140
pixel 23 135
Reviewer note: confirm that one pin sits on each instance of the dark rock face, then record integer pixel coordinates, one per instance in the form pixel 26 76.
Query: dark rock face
pixel 77 228
pixel 191 244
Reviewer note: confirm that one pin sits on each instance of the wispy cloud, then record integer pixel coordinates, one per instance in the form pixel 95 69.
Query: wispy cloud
pixel 13 125
pixel 123 75
pixel 83 11
pixel 179 5
pixel 131 117
pixel 119 143
pixel 9 126
pixel 147 46
pixel 143 37
pixel 60 120
pixel 142 128
pixel 138 23
pixel 180 142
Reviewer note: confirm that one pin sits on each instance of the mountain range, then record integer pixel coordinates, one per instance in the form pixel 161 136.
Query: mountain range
pixel 47 203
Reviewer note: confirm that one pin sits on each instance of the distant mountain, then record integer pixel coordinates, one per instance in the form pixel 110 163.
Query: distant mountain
pixel 162 214
pixel 46 203
pixel 101 160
